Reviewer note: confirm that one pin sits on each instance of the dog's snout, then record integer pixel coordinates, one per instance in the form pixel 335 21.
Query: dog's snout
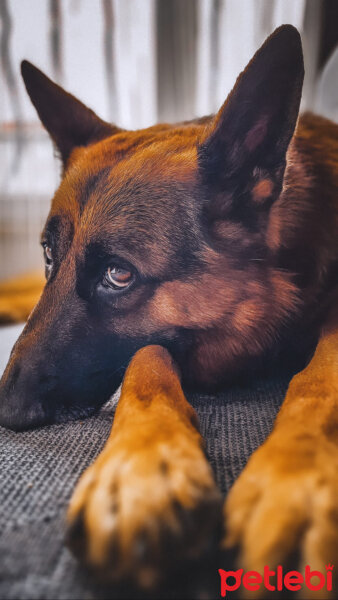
pixel 19 406
pixel 15 374
pixel 48 382
pixel 59 368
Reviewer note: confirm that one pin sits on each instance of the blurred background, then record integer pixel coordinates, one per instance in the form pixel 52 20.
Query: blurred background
pixel 135 62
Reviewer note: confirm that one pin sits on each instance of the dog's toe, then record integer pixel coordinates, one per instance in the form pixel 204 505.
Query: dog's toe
pixel 131 518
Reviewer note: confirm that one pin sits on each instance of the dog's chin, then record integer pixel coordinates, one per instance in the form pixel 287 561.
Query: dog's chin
pixel 18 420
pixel 57 408
pixel 38 417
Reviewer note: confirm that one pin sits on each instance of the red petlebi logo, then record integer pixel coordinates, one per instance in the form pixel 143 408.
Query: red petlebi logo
pixel 276 580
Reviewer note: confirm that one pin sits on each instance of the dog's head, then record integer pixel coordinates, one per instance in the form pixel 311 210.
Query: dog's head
pixel 156 236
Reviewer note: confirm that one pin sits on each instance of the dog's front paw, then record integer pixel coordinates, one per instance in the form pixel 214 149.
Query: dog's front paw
pixel 140 510
pixel 283 509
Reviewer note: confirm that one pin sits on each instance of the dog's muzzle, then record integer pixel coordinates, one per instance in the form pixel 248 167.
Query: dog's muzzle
pixel 59 369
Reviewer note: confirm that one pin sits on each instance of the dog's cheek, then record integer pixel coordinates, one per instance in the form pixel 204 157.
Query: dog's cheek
pixel 237 305
pixel 194 304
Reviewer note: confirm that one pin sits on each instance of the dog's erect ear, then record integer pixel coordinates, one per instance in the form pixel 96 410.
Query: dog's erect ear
pixel 69 122
pixel 252 130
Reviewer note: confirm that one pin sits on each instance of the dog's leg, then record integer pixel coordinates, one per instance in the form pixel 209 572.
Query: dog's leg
pixel 285 503
pixel 19 295
pixel 150 498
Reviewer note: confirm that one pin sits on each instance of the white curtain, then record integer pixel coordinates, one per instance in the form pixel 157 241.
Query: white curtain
pixel 235 32
pixel 172 58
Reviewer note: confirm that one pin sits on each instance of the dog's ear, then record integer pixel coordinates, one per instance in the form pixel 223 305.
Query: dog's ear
pixel 247 141
pixel 69 122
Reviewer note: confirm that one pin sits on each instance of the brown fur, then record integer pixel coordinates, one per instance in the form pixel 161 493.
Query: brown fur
pixel 229 227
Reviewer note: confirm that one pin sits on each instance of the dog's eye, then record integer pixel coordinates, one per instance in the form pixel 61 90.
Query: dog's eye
pixel 48 256
pixel 47 252
pixel 118 278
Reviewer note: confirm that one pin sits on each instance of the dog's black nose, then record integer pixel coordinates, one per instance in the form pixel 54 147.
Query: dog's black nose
pixel 18 417
pixel 20 408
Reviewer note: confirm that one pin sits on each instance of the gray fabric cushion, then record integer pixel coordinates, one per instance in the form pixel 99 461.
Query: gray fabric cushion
pixel 39 470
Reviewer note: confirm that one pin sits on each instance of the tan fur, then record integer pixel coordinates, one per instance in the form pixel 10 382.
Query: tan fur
pixel 262 190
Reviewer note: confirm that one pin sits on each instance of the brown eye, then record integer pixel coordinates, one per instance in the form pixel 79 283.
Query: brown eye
pixel 118 277
pixel 47 251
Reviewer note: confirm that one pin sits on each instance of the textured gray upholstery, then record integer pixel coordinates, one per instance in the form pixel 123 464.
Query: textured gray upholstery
pixel 39 470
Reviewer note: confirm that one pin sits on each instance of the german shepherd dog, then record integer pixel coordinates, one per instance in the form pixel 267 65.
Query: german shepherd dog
pixel 197 253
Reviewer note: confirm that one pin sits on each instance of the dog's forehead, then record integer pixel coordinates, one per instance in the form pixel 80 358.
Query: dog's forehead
pixel 133 198
pixel 128 173
pixel 165 161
